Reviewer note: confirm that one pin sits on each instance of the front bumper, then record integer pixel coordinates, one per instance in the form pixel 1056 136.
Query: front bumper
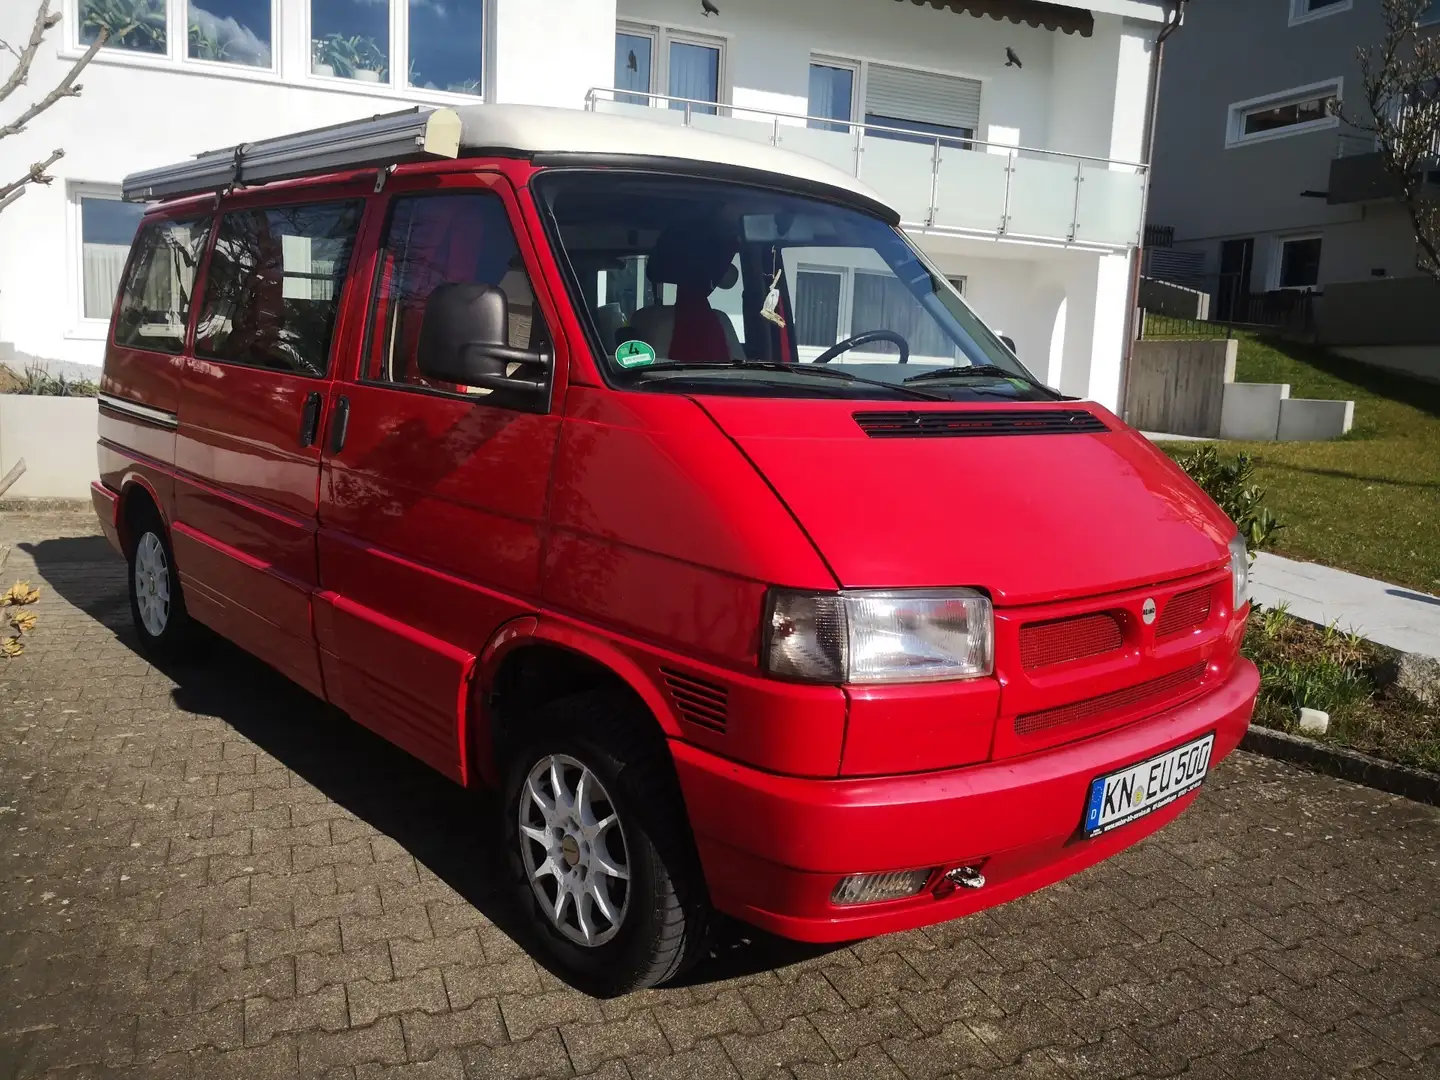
pixel 773 847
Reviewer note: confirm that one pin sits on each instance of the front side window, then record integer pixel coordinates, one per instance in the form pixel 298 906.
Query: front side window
pixel 274 285
pixel 155 300
pixel 435 240
pixel 107 228
pixel 689 281
pixel 136 25
pixel 229 31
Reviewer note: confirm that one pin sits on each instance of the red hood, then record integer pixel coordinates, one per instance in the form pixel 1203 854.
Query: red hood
pixel 1029 518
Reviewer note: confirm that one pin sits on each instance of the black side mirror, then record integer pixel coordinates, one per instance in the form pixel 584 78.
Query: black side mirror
pixel 463 340
pixel 1009 343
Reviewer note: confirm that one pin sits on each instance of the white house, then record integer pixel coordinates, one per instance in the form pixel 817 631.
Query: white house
pixel 1008 132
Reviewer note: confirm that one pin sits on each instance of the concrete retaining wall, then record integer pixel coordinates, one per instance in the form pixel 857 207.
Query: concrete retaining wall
pixel 1384 311
pixel 56 437
pixel 1421 361
pixel 1178 387
pixel 1251 411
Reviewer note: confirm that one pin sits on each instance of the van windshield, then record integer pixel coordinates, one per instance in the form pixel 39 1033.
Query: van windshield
pixel 702 285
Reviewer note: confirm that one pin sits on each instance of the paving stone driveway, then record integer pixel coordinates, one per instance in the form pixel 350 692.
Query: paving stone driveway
pixel 206 873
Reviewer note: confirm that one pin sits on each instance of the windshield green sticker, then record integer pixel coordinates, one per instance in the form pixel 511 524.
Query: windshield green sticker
pixel 634 354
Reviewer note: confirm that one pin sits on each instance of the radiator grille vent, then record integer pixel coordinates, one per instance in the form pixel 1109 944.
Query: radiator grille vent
pixel 702 703
pixel 1184 611
pixel 1152 693
pixel 1046 643
pixel 977 422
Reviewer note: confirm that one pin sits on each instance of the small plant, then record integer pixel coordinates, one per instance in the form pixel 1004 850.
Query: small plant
pixel 131 24
pixel 1229 484
pixel 39 382
pixel 205 46
pixel 347 55
pixel 16 623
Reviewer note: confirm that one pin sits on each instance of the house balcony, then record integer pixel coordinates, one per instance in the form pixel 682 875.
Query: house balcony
pixel 940 185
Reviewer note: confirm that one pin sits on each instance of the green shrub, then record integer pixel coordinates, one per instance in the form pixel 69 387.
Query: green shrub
pixel 1229 484
pixel 38 381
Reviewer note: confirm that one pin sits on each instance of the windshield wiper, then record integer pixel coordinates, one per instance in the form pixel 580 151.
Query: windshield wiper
pixel 794 369
pixel 981 370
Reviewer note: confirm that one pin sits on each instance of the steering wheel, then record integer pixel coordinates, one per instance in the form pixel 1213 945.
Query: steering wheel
pixel 868 336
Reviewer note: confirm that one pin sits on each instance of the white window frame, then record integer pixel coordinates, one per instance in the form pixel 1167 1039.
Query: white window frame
pixel 857 67
pixel 1301 12
pixel 77 326
pixel 959 281
pixel 283 66
pixel 661 38
pixel 1277 262
pixel 843 314
pixel 1235 119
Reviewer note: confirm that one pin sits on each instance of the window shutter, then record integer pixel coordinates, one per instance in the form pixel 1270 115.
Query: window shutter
pixel 923 96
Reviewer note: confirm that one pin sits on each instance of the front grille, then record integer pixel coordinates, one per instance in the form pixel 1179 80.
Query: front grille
pixel 1184 611
pixel 700 702
pixel 974 422
pixel 1055 642
pixel 1153 692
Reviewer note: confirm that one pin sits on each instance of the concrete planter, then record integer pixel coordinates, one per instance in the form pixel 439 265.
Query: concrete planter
pixel 56 437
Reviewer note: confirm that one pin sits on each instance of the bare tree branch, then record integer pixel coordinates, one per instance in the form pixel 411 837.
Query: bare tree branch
pixel 44 20
pixel 1400 79
pixel 65 88
pixel 37 174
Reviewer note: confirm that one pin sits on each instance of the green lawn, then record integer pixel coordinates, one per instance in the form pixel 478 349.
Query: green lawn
pixel 1369 502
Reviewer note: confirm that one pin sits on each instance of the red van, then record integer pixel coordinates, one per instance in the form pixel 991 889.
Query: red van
pixel 656 480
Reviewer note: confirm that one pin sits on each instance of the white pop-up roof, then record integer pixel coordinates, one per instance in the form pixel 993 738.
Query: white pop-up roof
pixel 525 130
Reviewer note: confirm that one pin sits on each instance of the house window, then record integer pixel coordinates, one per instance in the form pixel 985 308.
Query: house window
pixel 688 66
pixel 136 25
pixel 107 226
pixel 1431 14
pixel 1293 112
pixel 1299 262
pixel 1305 10
pixel 446 45
pixel 832 95
pixel 818 296
pixel 922 102
pixel 634 57
pixel 229 31
pixel 350 39
pixel 958 282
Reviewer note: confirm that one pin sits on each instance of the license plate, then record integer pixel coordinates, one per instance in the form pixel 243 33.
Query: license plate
pixel 1133 792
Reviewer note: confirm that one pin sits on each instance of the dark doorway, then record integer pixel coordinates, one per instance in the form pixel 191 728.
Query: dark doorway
pixel 1236 257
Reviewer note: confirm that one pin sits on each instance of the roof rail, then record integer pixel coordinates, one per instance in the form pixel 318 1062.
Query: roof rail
pixel 387 139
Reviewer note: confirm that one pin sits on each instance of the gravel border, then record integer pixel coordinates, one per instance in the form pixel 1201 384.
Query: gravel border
pixel 1349 765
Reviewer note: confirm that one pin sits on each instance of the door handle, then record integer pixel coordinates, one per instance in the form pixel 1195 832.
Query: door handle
pixel 310 419
pixel 339 424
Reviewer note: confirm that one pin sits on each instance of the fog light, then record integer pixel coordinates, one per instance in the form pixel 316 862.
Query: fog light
pixel 873 888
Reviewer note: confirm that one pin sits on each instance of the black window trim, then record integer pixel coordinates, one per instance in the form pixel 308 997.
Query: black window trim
pixel 517 400
pixel 192 336
pixel 159 221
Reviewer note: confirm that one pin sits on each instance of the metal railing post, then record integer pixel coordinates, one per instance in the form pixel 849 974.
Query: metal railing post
pixel 688 107
pixel 775 131
pixel 1009 176
pixel 934 184
pixel 859 133
pixel 1075 210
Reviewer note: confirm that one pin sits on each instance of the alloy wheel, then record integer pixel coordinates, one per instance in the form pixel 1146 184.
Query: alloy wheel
pixel 152 584
pixel 573 847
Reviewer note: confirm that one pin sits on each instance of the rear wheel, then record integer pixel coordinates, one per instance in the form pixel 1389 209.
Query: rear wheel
pixel 157 605
pixel 603 861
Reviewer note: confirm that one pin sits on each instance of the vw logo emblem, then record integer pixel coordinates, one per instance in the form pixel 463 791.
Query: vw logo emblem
pixel 1147 610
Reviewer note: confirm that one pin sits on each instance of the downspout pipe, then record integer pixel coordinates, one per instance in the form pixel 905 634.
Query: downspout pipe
pixel 1176 20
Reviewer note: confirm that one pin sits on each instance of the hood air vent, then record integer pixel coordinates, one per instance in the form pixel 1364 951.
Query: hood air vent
pixel 971 422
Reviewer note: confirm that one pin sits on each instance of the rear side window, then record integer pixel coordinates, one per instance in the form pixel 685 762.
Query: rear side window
pixel 274 284
pixel 432 240
pixel 155 297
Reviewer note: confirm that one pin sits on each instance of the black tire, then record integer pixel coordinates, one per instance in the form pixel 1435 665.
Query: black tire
pixel 666 919
pixel 178 635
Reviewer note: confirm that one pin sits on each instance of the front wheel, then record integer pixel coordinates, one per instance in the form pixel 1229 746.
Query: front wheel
pixel 604 864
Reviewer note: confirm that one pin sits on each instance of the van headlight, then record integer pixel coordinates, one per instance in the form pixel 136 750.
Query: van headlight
pixel 1239 571
pixel 879 636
